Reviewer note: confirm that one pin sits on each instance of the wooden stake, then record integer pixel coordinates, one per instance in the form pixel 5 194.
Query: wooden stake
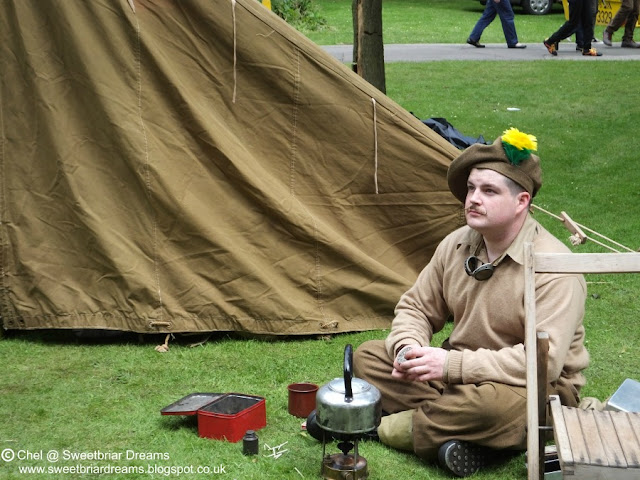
pixel 573 227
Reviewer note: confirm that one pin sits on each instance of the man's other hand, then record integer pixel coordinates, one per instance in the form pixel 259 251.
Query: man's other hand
pixel 419 364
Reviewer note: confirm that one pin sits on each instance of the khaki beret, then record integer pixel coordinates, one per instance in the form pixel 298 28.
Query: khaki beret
pixel 525 172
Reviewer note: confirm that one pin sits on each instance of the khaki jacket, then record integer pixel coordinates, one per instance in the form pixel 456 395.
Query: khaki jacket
pixel 487 341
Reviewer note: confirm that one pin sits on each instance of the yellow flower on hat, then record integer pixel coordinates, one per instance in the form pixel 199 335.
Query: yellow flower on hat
pixel 519 139
pixel 518 145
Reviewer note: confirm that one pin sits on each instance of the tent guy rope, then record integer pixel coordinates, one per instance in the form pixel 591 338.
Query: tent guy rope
pixel 578 236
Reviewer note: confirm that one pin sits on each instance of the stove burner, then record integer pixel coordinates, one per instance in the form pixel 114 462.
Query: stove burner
pixel 345 446
pixel 344 466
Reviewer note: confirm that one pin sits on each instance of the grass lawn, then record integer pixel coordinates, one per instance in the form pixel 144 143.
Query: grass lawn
pixel 68 395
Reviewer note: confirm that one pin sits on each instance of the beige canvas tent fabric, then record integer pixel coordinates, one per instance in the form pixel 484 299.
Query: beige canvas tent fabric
pixel 201 166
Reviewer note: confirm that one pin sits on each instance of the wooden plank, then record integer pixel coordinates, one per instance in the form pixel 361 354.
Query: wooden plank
pixel 542 347
pixel 593 472
pixel 587 262
pixel 576 438
pixel 533 447
pixel 542 362
pixel 612 447
pixel 560 434
pixel 627 437
pixel 591 434
pixel 634 420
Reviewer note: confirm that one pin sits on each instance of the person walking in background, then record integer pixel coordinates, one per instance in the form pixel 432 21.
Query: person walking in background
pixel 592 5
pixel 579 33
pixel 493 8
pixel 579 14
pixel 627 16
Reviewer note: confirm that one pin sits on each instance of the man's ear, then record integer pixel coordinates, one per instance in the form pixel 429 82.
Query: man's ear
pixel 523 201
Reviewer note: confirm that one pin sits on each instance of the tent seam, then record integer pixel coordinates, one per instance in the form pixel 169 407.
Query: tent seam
pixel 292 165
pixel 138 56
pixel 294 135
pixel 375 145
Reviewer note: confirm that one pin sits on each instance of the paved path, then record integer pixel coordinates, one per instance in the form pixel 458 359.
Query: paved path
pixel 493 51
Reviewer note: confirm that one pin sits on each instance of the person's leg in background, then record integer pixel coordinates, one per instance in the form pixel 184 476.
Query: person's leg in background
pixel 630 26
pixel 507 18
pixel 617 21
pixel 483 22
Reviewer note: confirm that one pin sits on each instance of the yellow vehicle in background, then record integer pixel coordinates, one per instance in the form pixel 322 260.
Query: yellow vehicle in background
pixel 606 11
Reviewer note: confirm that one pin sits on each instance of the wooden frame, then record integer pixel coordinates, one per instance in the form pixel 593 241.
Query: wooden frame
pixel 554 263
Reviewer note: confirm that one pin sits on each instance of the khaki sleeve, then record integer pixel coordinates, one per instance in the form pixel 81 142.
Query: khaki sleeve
pixel 421 310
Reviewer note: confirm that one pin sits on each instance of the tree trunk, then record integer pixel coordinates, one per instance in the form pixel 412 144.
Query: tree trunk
pixel 368 47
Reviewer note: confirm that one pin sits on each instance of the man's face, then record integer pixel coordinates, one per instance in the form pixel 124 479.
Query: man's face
pixel 490 206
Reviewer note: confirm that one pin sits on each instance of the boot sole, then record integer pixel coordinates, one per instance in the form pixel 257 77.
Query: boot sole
pixel 462 458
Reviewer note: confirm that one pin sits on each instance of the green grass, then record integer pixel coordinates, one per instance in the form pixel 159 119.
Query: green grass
pixel 58 392
pixel 432 21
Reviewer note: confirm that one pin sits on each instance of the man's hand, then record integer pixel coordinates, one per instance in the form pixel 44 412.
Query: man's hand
pixel 419 364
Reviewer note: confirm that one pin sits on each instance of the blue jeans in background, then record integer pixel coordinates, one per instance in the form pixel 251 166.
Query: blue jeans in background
pixel 502 8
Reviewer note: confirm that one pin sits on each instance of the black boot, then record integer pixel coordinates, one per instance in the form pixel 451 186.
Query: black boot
pixel 462 458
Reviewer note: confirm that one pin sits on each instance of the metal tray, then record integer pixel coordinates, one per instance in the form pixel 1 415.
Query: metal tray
pixel 626 398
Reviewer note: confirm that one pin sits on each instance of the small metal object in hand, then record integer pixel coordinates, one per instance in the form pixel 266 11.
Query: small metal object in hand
pixel 400 357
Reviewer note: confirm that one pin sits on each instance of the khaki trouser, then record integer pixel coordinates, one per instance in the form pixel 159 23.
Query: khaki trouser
pixel 627 15
pixel 489 413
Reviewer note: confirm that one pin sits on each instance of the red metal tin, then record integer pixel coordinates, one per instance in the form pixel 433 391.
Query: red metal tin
pixel 230 416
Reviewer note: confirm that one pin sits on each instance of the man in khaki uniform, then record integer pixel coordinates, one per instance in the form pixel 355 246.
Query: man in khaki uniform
pixel 461 402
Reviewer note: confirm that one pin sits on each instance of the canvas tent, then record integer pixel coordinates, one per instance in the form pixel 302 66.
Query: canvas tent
pixel 198 165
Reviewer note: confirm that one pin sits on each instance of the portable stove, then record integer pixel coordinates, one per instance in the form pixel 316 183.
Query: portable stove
pixel 344 466
pixel 346 410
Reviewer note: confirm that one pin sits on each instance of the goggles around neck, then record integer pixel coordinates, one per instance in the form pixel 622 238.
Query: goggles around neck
pixel 478 270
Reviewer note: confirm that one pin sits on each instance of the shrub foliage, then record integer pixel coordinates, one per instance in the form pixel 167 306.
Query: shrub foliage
pixel 304 15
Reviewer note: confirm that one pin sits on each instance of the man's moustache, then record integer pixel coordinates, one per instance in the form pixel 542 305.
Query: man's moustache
pixel 476 210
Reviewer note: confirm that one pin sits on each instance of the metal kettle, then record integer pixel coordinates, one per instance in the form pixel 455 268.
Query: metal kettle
pixel 348 405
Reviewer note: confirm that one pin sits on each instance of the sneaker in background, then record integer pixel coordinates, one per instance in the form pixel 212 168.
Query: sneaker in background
pixel 592 52
pixel 551 47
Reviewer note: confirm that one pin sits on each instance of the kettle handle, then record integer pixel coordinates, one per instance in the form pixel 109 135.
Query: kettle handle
pixel 348 373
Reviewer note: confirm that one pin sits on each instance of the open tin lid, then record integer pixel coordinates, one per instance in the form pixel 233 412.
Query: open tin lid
pixel 190 404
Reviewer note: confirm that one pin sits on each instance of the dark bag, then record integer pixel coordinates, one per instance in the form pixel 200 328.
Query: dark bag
pixel 451 134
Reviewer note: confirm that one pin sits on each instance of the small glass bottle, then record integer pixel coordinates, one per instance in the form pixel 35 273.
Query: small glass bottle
pixel 250 443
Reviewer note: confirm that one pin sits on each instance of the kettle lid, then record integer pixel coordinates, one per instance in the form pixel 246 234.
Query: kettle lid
pixel 358 386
